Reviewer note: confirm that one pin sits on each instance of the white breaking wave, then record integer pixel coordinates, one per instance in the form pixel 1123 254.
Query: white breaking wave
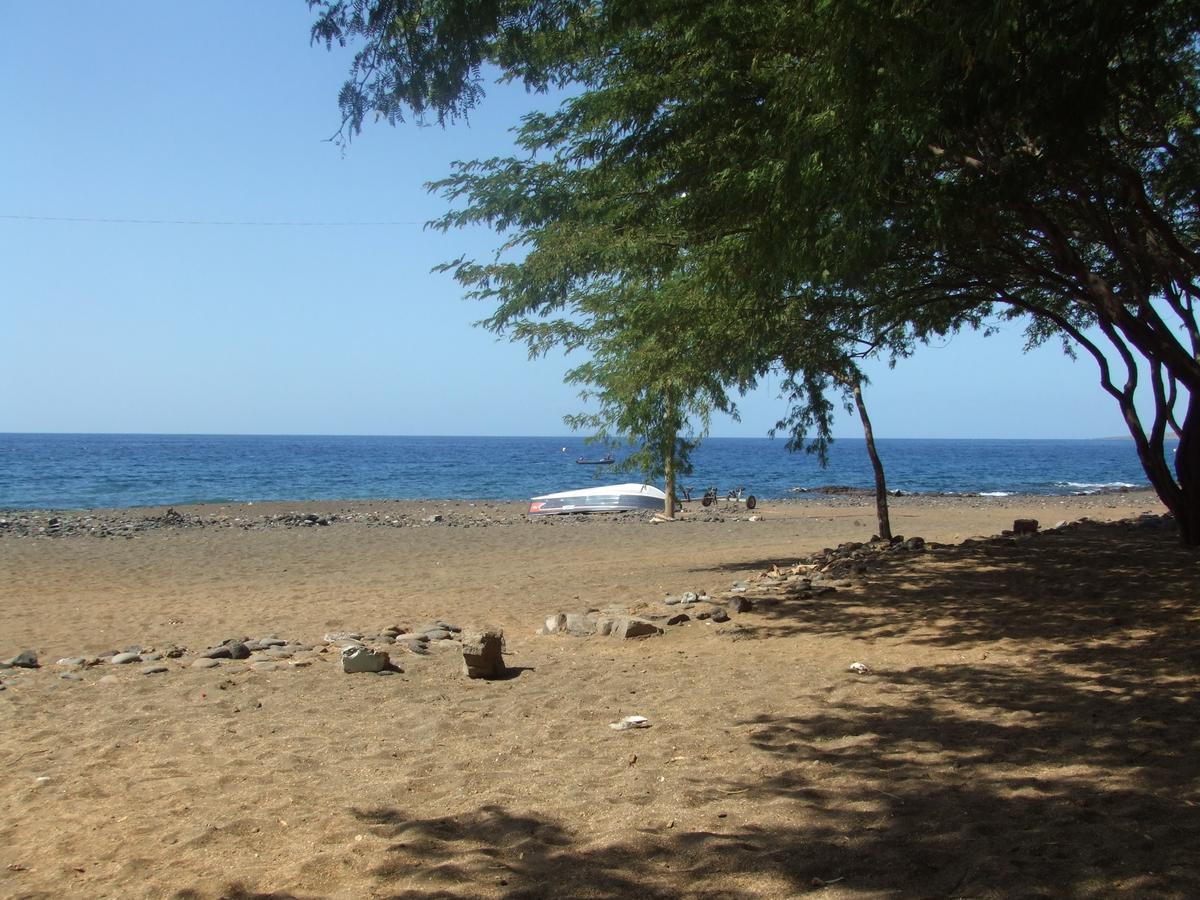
pixel 1091 487
pixel 995 493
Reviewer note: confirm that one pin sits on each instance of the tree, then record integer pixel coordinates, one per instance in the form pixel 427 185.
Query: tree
pixel 909 167
pixel 582 236
pixel 1040 161
pixel 648 386
pixel 810 408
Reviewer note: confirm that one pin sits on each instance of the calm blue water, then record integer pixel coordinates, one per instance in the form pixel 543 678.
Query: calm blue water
pixel 80 471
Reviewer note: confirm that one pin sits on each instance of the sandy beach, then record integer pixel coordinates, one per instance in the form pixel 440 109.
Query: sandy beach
pixel 1027 723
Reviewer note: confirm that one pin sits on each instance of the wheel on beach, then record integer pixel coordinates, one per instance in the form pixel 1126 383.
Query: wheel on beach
pixel 706 500
pixel 751 502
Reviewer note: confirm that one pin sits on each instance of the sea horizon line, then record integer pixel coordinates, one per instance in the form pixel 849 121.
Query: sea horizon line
pixel 555 437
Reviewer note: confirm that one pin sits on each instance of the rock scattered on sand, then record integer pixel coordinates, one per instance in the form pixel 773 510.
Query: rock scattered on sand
pixel 228 649
pixel 363 659
pixel 26 659
pixel 570 623
pixel 482 651
pixel 154 670
pixel 437 626
pixel 632 627
pixel 206 662
pixel 416 643
pixel 125 658
pixel 577 624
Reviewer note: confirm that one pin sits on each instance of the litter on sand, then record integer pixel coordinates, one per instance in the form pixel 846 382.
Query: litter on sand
pixel 859 668
pixel 630 722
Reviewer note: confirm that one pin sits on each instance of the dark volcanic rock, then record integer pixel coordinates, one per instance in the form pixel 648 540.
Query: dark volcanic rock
pixel 26 659
pixel 740 605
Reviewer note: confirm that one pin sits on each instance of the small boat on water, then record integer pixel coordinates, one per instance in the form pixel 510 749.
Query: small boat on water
pixel 606 461
pixel 608 498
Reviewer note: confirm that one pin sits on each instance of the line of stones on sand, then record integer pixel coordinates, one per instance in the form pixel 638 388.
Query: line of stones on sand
pixel 815 575
pixel 653 618
pixel 270 653
pixel 845 566
pixel 838 565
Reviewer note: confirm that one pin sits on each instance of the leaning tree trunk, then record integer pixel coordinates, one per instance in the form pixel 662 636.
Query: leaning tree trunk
pixel 1179 493
pixel 1187 473
pixel 881 503
pixel 1171 369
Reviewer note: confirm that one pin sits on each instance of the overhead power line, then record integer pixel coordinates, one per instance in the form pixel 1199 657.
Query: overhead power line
pixel 109 221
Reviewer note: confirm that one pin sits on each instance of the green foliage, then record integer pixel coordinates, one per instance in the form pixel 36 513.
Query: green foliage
pixel 795 185
pixel 650 389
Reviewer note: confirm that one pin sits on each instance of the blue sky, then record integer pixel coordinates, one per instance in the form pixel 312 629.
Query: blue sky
pixel 218 112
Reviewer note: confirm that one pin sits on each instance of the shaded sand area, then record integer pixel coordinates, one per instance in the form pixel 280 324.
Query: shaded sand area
pixel 1028 724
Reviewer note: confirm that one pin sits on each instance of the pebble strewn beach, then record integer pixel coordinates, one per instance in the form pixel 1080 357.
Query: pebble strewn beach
pixel 235 701
pixel 483 513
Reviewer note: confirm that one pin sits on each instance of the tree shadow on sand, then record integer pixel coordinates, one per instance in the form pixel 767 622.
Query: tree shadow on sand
pixel 1055 754
pixel 1119 597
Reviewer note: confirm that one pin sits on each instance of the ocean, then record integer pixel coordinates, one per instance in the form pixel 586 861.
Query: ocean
pixel 73 471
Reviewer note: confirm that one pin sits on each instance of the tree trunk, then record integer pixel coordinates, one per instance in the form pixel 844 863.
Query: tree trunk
pixel 669 481
pixel 1179 494
pixel 1187 472
pixel 1178 491
pixel 881 503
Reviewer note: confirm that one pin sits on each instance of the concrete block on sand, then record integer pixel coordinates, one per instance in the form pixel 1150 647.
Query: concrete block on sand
pixel 482 650
pixel 362 659
pixel 632 627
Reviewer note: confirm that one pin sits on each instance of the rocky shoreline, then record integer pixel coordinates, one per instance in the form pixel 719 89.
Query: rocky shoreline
pixel 128 523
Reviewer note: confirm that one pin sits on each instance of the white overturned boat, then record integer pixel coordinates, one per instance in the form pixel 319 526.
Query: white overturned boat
pixel 606 498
